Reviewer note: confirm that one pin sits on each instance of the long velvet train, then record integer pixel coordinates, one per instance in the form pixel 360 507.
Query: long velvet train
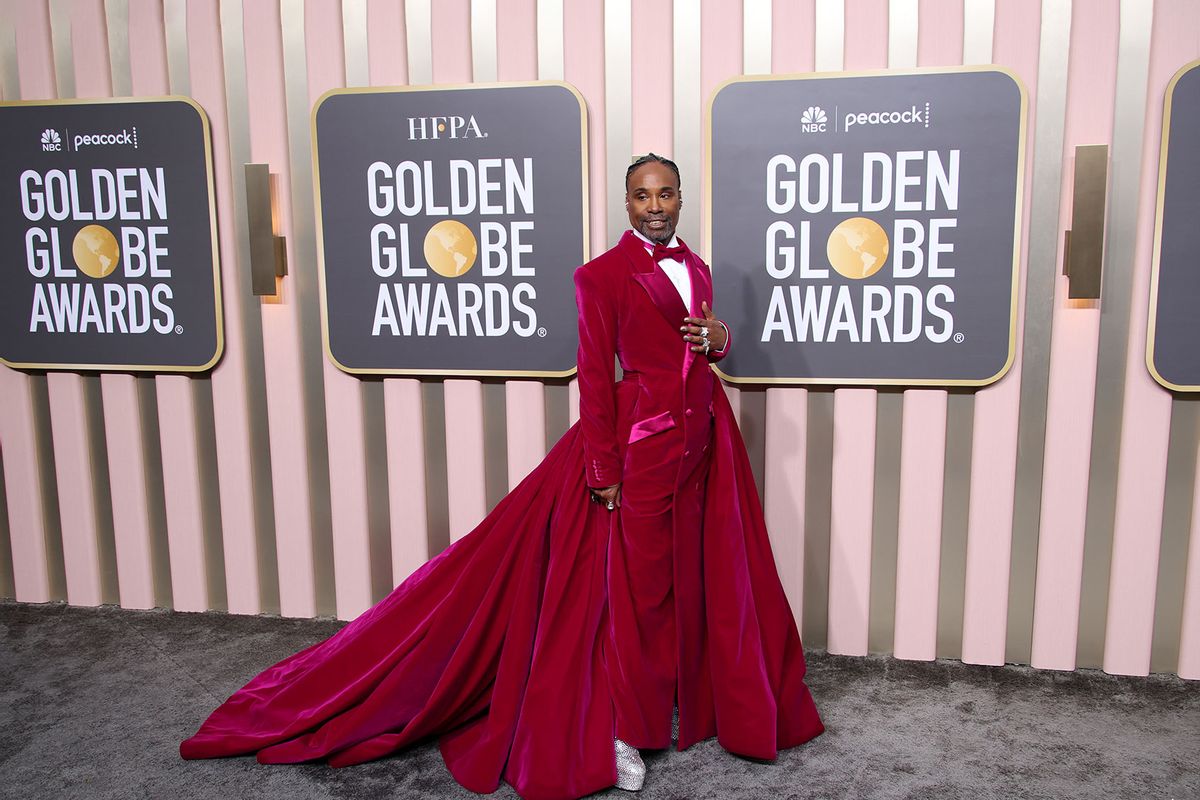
pixel 497 646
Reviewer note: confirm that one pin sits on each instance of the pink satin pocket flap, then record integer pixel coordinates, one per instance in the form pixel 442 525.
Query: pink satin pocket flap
pixel 649 427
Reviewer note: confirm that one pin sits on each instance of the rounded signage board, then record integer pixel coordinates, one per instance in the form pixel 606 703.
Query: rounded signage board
pixel 450 223
pixel 109 236
pixel 865 228
pixel 1174 325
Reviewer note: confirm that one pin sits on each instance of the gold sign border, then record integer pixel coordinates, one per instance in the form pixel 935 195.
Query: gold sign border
pixel 212 227
pixel 1017 223
pixel 1152 317
pixel 437 373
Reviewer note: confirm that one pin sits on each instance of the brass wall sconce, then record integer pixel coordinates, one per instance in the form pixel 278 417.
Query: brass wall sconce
pixel 268 254
pixel 1083 250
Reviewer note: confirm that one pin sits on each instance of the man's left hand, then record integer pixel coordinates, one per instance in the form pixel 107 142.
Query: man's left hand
pixel 694 328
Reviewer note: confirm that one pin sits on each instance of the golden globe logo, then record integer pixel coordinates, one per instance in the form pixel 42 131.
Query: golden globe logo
pixel 451 127
pixel 857 248
pixel 450 248
pixel 96 251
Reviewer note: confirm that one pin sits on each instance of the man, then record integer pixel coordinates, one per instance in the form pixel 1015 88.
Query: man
pixel 553 640
pixel 647 444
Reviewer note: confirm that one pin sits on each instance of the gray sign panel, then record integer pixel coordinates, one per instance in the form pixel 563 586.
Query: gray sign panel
pixel 108 236
pixel 865 228
pixel 451 221
pixel 1171 351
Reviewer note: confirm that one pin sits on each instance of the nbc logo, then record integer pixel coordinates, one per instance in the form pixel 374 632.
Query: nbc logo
pixel 51 141
pixel 813 120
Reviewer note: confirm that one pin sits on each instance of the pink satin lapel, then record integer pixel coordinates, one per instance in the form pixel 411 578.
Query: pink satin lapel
pixel 656 283
pixel 701 291
pixel 702 288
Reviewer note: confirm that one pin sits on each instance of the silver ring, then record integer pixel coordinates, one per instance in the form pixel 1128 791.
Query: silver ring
pixel 611 505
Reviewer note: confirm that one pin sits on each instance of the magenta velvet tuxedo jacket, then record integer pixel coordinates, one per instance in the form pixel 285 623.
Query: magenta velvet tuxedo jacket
pixel 628 306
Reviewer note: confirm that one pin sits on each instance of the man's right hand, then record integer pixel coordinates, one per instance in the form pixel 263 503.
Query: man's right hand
pixel 610 494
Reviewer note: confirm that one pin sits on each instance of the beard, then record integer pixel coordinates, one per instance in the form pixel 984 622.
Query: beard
pixel 661 235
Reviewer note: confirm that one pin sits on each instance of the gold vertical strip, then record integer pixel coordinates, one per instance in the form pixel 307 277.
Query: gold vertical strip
pixel 237 113
pixel 752 421
pixel 885 521
pixel 830 16
pixel 618 109
pixel 902 34
pixel 687 102
pixel 756 37
pixel 160 552
pixel 1054 51
pixel 304 249
pixel 979 22
pixel 1178 506
pixel 60 35
pixel 10 83
pixel 354 37
pixel 483 41
pixel 39 399
pixel 7 583
pixel 178 70
pixel 116 17
pixel 956 493
pixel 550 46
pixel 818 495
pixel 418 28
pixel 1133 69
pixel 437 496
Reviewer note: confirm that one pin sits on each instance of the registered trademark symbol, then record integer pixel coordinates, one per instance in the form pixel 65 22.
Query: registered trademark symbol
pixel 542 332
pixel 958 338
pixel 179 329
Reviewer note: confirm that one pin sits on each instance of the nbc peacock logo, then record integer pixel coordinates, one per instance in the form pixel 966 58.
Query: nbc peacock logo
pixel 51 141
pixel 813 120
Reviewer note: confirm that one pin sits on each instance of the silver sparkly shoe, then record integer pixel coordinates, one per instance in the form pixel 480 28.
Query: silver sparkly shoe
pixel 631 770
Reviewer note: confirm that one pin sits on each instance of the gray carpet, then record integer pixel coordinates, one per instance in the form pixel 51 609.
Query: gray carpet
pixel 94 702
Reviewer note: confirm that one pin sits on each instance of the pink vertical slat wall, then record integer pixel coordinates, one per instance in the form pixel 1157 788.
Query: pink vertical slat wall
pixel 113 495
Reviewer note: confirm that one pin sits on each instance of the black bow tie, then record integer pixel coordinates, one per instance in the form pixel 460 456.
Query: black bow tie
pixel 661 251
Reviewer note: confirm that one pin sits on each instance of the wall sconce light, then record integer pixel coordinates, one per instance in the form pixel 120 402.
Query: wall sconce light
pixel 268 254
pixel 1083 250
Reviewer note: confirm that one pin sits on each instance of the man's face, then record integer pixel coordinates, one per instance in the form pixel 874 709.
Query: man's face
pixel 653 199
